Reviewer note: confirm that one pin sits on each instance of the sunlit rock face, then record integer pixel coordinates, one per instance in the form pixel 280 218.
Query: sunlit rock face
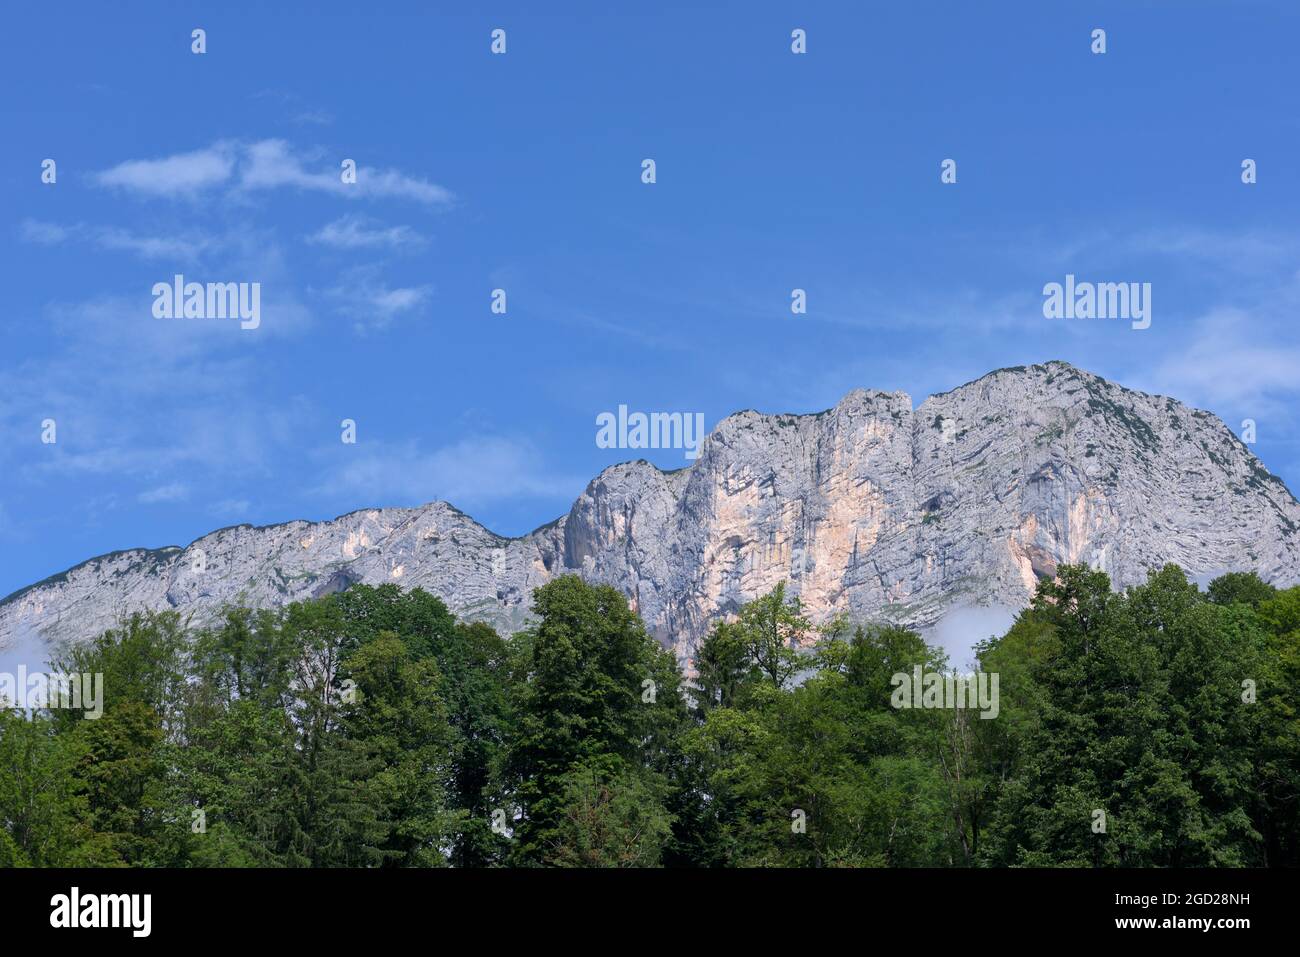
pixel 871 508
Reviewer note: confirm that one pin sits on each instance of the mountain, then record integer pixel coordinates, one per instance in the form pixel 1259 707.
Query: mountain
pixel 871 507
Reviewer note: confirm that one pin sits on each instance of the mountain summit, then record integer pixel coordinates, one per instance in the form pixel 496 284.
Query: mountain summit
pixel 872 508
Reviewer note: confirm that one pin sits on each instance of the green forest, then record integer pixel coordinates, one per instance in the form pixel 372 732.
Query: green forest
pixel 1156 727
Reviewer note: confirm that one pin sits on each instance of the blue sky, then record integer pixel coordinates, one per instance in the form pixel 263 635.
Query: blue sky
pixel 522 172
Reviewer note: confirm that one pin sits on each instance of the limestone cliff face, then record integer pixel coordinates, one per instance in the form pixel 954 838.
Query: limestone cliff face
pixel 871 508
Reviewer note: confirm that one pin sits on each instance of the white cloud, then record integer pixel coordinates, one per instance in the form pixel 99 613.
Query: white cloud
pixel 964 625
pixel 1241 354
pixel 169 247
pixel 392 301
pixel 1233 358
pixel 261 165
pixel 152 247
pixel 25 649
pixel 184 174
pixel 44 234
pixel 270 164
pixel 356 232
pixel 391 183
pixel 372 302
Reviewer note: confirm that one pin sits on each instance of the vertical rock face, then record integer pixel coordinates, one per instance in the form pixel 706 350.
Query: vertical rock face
pixel 871 508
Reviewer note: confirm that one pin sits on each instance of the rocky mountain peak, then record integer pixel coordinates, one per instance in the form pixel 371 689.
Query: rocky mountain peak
pixel 871 507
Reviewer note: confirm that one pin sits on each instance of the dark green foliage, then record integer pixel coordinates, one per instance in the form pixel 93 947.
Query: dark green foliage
pixel 609 820
pixel 372 728
pixel 593 692
pixel 474 664
pixel 1244 588
pixel 1140 716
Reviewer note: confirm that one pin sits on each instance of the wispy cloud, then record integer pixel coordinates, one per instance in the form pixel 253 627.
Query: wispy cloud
pixel 1244 252
pixel 305 115
pixel 1220 253
pixel 271 164
pixel 171 492
pixel 365 297
pixel 1233 358
pixel 314 118
pixel 470 473
pixel 263 165
pixel 231 507
pixel 187 401
pixel 164 379
pixel 183 174
pixel 46 234
pixel 357 232
pixel 186 247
